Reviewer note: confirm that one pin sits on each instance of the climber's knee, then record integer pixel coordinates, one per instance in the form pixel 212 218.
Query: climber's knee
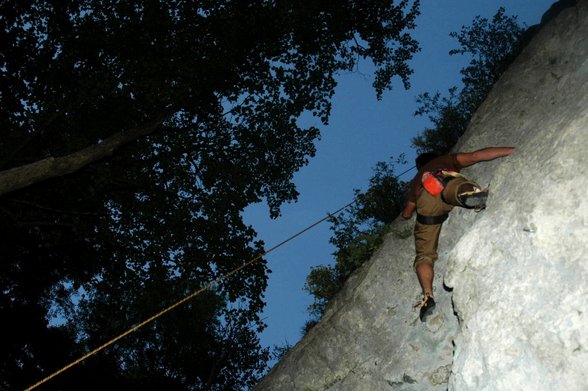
pixel 455 187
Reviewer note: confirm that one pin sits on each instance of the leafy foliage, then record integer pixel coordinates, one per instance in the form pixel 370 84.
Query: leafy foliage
pixel 222 83
pixel 357 233
pixel 492 46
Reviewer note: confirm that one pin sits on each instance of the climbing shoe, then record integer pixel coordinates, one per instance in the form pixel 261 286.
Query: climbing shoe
pixel 474 199
pixel 427 306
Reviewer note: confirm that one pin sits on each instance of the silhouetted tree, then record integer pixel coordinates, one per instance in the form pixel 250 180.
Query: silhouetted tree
pixel 132 136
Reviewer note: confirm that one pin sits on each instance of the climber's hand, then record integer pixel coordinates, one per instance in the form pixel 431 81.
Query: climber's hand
pixel 408 210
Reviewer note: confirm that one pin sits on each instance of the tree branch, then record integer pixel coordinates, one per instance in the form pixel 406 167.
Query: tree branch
pixel 23 176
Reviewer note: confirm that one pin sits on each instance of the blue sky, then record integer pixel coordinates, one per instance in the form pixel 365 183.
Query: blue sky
pixel 361 132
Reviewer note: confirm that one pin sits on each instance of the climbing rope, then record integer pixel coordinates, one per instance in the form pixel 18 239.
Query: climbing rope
pixel 210 285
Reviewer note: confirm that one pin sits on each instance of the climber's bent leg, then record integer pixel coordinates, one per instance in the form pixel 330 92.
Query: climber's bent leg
pixel 456 189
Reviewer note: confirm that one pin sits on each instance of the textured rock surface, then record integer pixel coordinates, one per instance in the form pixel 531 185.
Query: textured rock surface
pixel 516 318
pixel 519 274
pixel 370 337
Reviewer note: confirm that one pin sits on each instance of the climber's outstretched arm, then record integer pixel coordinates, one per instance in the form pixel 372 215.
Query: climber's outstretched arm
pixel 482 155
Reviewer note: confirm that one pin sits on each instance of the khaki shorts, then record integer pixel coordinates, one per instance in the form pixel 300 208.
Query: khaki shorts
pixel 426 237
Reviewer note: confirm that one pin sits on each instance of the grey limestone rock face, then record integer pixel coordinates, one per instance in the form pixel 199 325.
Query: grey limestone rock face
pixel 519 273
pixel 511 281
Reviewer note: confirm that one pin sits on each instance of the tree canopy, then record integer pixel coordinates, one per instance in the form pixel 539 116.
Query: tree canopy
pixel 132 136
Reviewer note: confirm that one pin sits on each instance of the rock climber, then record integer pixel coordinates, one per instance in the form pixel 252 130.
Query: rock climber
pixel 435 190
